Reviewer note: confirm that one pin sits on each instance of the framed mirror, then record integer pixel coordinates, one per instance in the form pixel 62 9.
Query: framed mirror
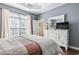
pixel 53 20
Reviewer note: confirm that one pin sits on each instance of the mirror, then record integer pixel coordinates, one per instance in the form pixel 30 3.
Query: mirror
pixel 53 20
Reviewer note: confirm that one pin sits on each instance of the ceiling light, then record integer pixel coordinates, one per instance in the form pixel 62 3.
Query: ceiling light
pixel 31 5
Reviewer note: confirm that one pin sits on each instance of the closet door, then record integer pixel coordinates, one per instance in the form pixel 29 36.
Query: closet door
pixel 28 25
pixel 35 27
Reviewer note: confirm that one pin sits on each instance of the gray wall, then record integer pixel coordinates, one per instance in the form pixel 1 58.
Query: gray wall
pixel 72 15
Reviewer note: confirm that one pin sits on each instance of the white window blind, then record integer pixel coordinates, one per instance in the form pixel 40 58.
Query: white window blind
pixel 17 25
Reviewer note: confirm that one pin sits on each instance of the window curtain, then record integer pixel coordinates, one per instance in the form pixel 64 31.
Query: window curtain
pixel 41 27
pixel 28 25
pixel 5 25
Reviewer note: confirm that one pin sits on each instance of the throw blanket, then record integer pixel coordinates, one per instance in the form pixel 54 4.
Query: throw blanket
pixel 29 45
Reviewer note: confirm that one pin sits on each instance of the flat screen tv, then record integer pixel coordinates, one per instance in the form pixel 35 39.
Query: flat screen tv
pixel 62 25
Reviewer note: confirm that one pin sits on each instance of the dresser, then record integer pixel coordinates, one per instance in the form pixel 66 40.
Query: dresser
pixel 60 36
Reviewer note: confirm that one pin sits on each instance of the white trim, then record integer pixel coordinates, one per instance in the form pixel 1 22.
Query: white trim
pixel 76 48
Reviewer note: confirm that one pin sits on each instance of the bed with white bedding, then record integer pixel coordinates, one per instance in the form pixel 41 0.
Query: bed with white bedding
pixel 29 45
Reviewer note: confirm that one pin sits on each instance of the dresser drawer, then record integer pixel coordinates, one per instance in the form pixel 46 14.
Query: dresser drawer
pixel 60 36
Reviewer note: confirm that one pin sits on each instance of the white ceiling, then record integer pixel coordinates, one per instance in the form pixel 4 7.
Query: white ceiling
pixel 44 7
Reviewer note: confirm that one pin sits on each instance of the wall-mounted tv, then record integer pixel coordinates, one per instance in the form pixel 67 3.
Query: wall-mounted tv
pixel 62 25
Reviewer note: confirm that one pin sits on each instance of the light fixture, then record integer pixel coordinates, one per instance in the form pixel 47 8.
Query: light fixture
pixel 31 5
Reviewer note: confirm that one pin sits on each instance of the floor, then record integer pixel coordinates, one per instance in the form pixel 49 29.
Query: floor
pixel 70 51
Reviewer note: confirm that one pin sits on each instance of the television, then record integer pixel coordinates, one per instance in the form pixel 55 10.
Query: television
pixel 62 25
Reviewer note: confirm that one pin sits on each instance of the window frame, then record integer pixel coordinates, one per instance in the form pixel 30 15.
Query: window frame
pixel 19 28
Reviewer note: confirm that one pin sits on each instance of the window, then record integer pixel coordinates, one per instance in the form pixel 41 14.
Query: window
pixel 17 24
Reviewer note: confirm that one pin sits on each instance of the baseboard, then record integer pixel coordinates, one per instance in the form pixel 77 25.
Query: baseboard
pixel 76 48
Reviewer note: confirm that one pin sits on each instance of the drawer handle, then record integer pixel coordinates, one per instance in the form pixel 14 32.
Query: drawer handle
pixel 63 42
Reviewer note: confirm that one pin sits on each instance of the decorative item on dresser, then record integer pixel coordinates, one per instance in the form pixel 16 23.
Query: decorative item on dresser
pixel 59 31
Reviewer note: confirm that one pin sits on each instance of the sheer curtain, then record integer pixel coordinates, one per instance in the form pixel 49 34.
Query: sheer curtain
pixel 5 25
pixel 28 25
pixel 41 27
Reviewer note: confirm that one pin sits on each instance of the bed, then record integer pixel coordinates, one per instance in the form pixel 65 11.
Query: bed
pixel 29 45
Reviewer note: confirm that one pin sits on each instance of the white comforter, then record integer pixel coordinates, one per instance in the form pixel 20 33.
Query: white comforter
pixel 13 46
